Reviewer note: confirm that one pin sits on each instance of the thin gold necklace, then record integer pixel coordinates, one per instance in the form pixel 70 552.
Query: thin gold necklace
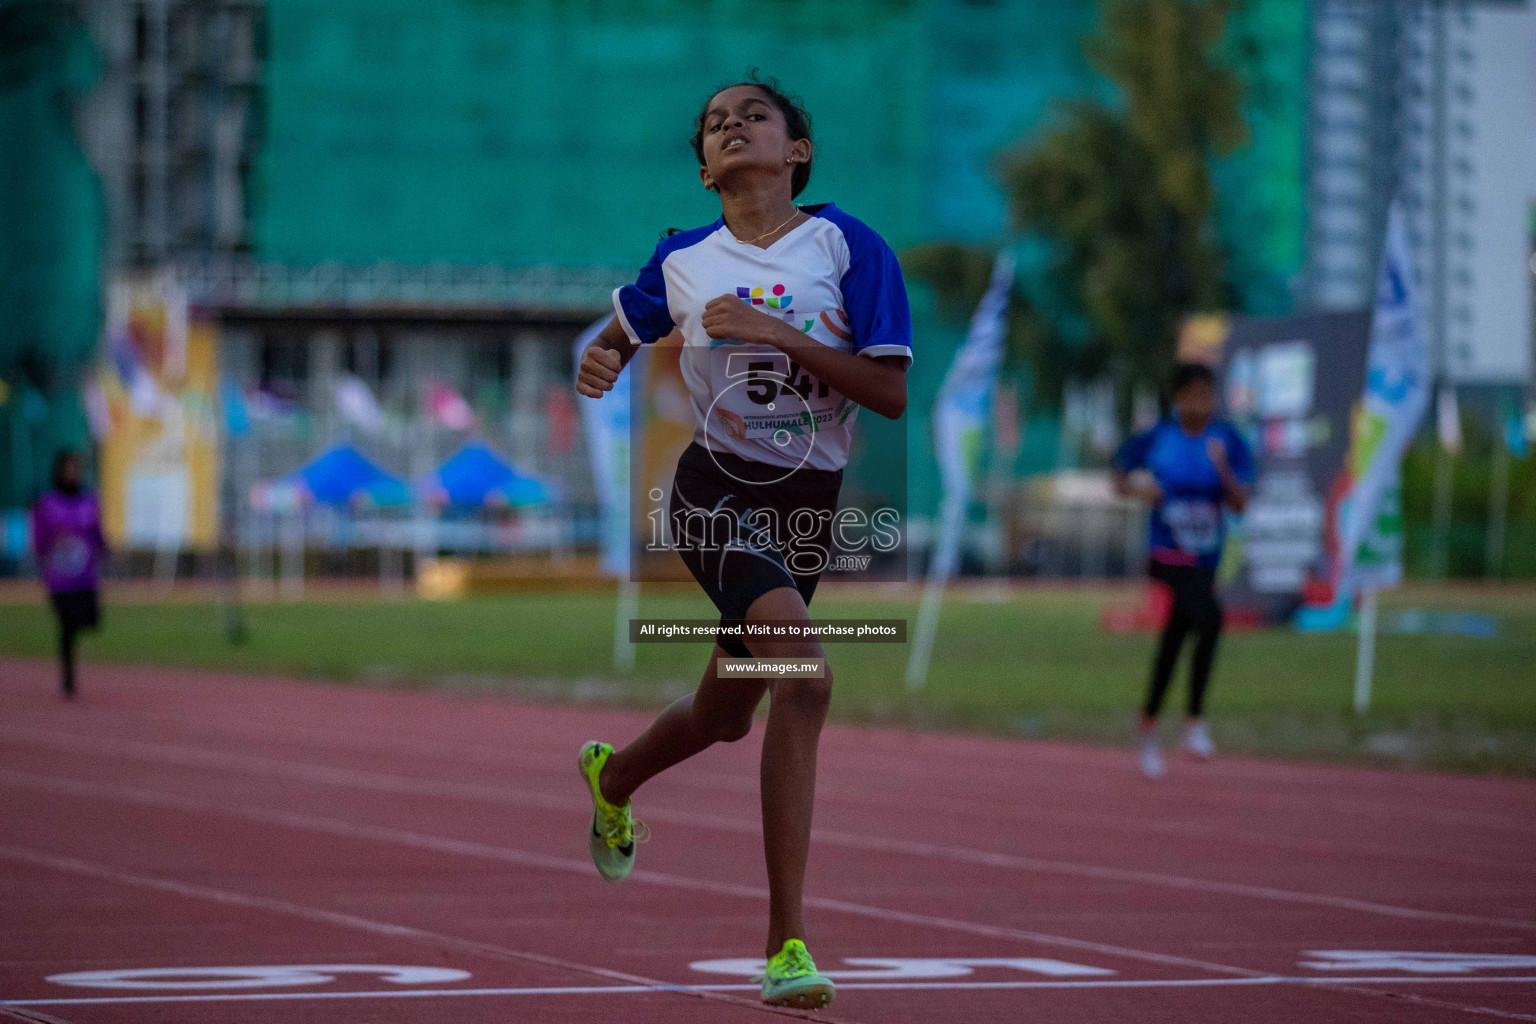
pixel 765 234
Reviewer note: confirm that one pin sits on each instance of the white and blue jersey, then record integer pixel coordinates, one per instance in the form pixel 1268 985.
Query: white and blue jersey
pixel 1187 527
pixel 831 276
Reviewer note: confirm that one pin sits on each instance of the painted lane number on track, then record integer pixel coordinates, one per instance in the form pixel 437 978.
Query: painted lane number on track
pixel 907 968
pixel 252 977
pixel 1415 963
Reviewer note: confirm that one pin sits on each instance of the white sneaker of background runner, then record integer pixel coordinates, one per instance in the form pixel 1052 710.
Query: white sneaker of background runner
pixel 1151 757
pixel 1197 741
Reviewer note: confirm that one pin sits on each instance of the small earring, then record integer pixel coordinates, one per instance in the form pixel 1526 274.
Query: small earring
pixel 789 159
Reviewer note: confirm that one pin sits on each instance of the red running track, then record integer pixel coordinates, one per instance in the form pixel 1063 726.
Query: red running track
pixel 434 846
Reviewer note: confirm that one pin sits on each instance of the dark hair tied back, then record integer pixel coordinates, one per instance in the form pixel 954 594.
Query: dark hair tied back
pixel 796 120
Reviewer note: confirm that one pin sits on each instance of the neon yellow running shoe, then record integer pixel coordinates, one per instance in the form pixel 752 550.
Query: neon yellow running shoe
pixel 792 980
pixel 614 833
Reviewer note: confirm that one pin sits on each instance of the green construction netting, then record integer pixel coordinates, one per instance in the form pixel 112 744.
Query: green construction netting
pixel 51 230
pixel 554 131
pixel 557 132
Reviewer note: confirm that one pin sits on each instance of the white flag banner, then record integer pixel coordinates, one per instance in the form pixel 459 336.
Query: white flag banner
pixel 965 398
pixel 1397 393
pixel 1448 419
pixel 1103 426
pixel 960 418
pixel 606 422
pixel 356 404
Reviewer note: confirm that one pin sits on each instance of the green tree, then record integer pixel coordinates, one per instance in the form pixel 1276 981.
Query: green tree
pixel 1112 205
pixel 1121 191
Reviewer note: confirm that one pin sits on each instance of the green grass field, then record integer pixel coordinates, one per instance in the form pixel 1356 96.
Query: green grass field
pixel 1030 663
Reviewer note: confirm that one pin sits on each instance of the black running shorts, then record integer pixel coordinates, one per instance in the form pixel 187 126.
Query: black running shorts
pixel 744 528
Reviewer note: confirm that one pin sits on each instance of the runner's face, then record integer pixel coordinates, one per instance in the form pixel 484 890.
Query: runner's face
pixel 69 474
pixel 744 131
pixel 1196 401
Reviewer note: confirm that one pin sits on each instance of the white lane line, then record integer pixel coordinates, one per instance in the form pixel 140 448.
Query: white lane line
pixel 438 844
pixel 523 858
pixel 398 784
pixel 387 742
pixel 574 990
pixel 1368 801
pixel 266 731
pixel 583 990
pixel 75 865
pixel 1108 874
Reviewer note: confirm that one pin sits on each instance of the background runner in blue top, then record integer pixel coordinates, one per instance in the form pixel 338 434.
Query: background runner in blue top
pixel 1187 526
pixel 1188 468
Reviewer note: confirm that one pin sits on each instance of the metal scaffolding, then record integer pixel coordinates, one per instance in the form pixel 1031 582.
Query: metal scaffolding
pixel 174 126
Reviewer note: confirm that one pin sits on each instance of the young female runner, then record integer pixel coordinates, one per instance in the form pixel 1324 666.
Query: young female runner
pixel 791 317
pixel 1191 464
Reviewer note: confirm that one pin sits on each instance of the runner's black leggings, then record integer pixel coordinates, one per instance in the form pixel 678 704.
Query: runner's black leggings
pixel 67 634
pixel 76 610
pixel 1194 608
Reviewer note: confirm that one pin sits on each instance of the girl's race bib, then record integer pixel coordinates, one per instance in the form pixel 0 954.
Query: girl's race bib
pixel 1195 524
pixel 760 392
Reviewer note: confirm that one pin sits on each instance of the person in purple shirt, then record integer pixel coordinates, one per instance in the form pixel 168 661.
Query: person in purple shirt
pixel 1189 468
pixel 66 535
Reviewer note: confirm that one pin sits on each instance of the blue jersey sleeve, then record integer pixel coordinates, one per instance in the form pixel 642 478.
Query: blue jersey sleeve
pixel 1133 453
pixel 642 306
pixel 874 292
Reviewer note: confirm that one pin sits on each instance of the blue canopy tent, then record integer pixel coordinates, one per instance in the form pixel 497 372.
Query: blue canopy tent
pixel 342 476
pixel 344 482
pixel 477 477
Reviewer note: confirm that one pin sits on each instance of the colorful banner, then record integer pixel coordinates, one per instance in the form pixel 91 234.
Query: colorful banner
pixel 606 422
pixel 1516 422
pixel 660 426
pixel 237 417
pixel 159 386
pixel 448 407
pixel 1397 390
pixel 1292 385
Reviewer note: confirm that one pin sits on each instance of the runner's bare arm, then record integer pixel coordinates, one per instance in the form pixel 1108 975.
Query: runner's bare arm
pixel 1233 489
pixel 878 384
pixel 1139 484
pixel 603 361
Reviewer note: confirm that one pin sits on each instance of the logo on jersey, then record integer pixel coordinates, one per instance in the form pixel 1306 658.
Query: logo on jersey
pixel 844 332
pixel 774 299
